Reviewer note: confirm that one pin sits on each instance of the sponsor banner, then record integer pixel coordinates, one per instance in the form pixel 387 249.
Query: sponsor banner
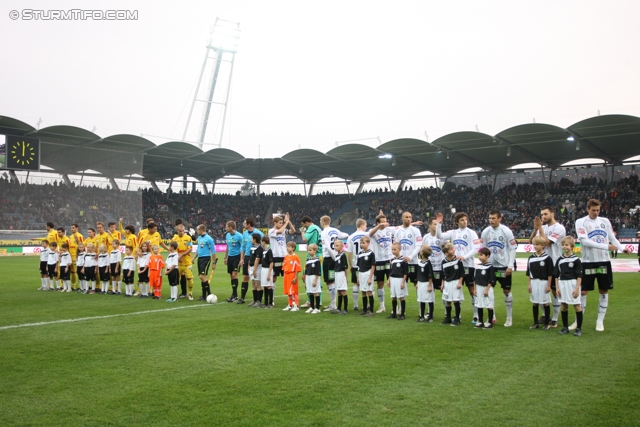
pixel 629 240
pixel 11 250
pixel 34 242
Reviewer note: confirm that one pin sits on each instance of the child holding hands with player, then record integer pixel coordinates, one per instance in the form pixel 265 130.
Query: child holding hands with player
pixel 291 268
pixel 311 278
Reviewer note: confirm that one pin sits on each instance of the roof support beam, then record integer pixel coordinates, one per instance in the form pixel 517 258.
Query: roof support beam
pixel 360 187
pixel 400 187
pixel 66 179
pixel 154 186
pixel 114 184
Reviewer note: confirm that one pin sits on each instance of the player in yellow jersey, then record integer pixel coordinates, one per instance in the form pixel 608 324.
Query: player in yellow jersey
pixel 129 233
pixel 91 237
pixel 142 234
pixel 52 234
pixel 113 233
pixel 102 238
pixel 185 243
pixel 75 238
pixel 61 238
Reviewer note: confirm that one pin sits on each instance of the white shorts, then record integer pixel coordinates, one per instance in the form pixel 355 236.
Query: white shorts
pixel 538 294
pixel 481 300
pixel 363 278
pixel 396 291
pixel 341 281
pixel 451 292
pixel 308 282
pixel 566 288
pixel 423 292
pixel 266 280
pixel 258 274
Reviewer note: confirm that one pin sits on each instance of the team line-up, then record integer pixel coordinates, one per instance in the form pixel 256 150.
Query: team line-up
pixel 395 256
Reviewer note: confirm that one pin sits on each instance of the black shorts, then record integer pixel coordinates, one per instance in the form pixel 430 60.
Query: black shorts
pixel 174 277
pixel 90 274
pixel 51 271
pixel 383 268
pixel 600 271
pixel 81 275
pixel 328 270
pixel 354 276
pixel 277 267
pixel 104 276
pixel 412 273
pixel 233 263
pixel 115 269
pixel 246 264
pixel 203 266
pixel 504 280
pixel 469 276
pixel 143 277
pixel 65 275
pixel 553 282
pixel 43 268
pixel 126 278
pixel 437 280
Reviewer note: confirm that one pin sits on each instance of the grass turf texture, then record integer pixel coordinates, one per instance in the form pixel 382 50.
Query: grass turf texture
pixel 229 364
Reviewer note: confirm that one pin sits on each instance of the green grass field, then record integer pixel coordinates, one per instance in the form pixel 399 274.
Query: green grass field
pixel 229 364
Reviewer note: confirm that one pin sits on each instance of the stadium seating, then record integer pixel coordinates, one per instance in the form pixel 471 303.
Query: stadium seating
pixel 29 207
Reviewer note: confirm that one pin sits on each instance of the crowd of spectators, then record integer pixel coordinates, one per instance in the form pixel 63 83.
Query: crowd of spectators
pixel 29 206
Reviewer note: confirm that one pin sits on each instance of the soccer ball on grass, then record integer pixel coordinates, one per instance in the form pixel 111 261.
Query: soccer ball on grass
pixel 212 299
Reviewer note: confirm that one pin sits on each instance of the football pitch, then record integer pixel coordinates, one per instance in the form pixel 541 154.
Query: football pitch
pixel 96 360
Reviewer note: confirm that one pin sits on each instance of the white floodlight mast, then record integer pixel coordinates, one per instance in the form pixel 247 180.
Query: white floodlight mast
pixel 224 39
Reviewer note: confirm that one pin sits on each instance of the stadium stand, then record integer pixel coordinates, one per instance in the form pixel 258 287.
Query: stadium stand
pixel 28 206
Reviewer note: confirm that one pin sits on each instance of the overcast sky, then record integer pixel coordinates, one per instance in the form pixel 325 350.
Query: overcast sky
pixel 312 73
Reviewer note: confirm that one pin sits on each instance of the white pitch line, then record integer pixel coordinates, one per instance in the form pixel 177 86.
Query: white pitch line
pixel 108 316
pixel 82 319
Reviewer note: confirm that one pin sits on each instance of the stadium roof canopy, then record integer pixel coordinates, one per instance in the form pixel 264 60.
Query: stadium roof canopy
pixel 69 150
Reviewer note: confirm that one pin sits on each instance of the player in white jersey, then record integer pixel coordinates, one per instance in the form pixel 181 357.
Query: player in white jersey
pixel 328 237
pixel 410 240
pixel 278 239
pixel 353 248
pixel 553 232
pixel 431 239
pixel 465 241
pixel 500 241
pixel 382 237
pixel 596 240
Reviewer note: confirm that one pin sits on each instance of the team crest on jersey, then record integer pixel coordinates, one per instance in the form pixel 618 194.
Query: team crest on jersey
pixel 455 267
pixel 313 264
pixel 541 263
pixel 438 242
pixel 422 269
pixel 464 237
pixel 483 272
pixel 570 265
pixel 501 238
pixel 602 226
pixel 366 258
pixel 409 236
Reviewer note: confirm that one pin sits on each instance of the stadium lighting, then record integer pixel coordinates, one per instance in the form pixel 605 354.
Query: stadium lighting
pixel 225 36
pixel 222 170
pixel 578 146
pixel 300 171
pixel 508 151
pixel 447 154
pixel 385 156
pixel 570 138
pixel 393 163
